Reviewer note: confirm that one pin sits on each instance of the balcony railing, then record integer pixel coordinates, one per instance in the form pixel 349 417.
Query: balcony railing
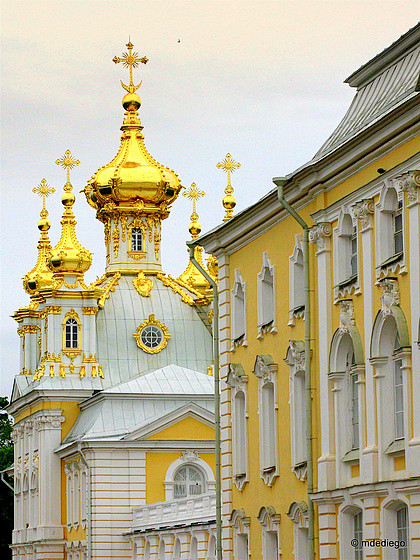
pixel 181 511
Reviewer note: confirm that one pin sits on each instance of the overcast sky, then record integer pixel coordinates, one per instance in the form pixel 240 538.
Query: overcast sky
pixel 261 80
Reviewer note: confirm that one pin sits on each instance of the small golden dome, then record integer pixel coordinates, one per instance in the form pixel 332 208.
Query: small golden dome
pixel 69 256
pixel 44 224
pixel 131 102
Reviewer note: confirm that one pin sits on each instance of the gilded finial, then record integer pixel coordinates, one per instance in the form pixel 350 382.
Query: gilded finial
pixel 193 193
pixel 40 276
pixel 68 162
pixel 43 190
pixel 130 60
pixel 228 165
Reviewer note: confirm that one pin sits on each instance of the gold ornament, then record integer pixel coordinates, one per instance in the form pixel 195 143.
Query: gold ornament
pixel 130 60
pixel 116 238
pixel 228 165
pixel 110 287
pixel 193 193
pixel 143 285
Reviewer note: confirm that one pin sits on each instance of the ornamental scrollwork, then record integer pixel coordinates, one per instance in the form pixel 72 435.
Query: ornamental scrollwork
pixel 346 315
pixel 143 285
pixel 320 234
pixel 390 294
pixel 363 211
pixel 409 183
pixel 159 344
pixel 116 240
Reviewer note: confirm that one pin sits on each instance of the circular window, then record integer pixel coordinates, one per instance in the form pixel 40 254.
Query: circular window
pixel 151 336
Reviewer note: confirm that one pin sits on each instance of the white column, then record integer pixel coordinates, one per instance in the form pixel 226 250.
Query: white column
pixel 225 411
pixel 364 211
pixel 321 235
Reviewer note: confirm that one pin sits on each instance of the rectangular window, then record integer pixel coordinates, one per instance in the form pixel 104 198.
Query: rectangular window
pixel 358 535
pixel 398 400
pixel 136 239
pixel 354 411
pixel 402 532
pixel 398 230
pixel 353 257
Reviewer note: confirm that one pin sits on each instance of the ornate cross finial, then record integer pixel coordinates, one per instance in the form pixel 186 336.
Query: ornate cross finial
pixel 43 190
pixel 68 162
pixel 130 60
pixel 228 165
pixel 193 193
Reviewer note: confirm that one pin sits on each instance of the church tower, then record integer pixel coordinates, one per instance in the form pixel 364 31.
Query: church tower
pixel 113 404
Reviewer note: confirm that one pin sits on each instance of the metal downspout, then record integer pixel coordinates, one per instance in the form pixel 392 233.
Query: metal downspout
pixel 213 284
pixel 280 182
pixel 89 505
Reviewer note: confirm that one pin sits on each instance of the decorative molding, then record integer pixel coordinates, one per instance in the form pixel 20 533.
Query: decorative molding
pixel 143 285
pixel 390 294
pixel 176 288
pixel 28 329
pixel 165 335
pixel 296 355
pixel 116 239
pixel 346 315
pixel 265 368
pixel 363 211
pixel 409 183
pixel 51 422
pixel 320 234
pixel 53 309
pixel 236 377
pixel 110 287
pixel 189 456
pixel 90 310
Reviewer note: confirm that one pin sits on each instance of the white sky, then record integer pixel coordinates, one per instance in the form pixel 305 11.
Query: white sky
pixel 261 80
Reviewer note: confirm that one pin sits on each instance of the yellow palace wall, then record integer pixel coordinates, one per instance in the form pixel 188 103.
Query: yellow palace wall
pixel 279 242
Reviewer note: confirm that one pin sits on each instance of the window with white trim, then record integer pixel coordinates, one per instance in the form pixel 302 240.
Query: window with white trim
pixel 298 513
pixel 266 297
pixel 189 481
pixel 266 370
pixel 211 552
pixel 390 230
pixel 345 251
pixel 83 497
pixel 177 550
pixel 295 358
pixel 71 333
pixel 240 523
pixel 237 381
pixel 358 535
pixel 161 554
pixel 76 500
pixel 136 239
pixel 296 282
pixel 402 532
pixel 194 548
pixel 270 525
pixel 69 494
pixel 238 325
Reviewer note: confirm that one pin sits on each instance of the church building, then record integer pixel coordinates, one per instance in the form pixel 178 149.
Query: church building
pixel 114 402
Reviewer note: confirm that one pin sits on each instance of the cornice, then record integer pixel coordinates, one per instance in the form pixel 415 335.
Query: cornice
pixel 395 129
pixel 388 57
pixel 102 395
pixel 34 397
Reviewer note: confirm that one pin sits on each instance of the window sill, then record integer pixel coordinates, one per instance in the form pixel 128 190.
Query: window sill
pixel 347 283
pixel 397 447
pixel 393 259
pixel 351 456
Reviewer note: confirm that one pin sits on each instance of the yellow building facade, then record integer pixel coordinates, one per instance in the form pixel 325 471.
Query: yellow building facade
pixel 360 196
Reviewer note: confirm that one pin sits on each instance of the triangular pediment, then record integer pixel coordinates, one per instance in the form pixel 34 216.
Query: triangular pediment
pixel 190 421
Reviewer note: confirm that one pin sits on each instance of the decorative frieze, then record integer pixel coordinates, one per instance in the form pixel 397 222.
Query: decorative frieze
pixel 265 368
pixel 236 377
pixel 51 422
pixel 296 355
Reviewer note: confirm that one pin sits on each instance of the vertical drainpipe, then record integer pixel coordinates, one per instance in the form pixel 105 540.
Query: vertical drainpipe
pixel 192 245
pixel 280 182
pixel 89 504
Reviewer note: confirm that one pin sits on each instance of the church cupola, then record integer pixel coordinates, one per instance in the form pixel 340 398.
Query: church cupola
pixel 41 276
pixel 133 193
pixel 69 260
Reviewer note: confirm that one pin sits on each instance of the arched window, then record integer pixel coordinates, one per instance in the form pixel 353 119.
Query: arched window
pixel 396 528
pixel 345 246
pixel 240 434
pixel 136 239
pixel 161 555
pixel 71 334
pixel 177 550
pixel 194 548
pixel 211 552
pixel 390 230
pixel 146 551
pixel 296 282
pixel 237 381
pixel 189 481
pixel 266 298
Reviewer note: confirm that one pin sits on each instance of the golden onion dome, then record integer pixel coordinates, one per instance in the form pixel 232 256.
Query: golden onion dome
pixel 133 179
pixel 69 256
pixel 40 276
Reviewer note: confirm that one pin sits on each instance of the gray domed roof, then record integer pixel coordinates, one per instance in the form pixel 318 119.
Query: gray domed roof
pixel 125 310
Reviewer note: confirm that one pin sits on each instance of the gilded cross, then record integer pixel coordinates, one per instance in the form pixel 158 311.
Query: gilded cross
pixel 228 165
pixel 43 190
pixel 130 60
pixel 68 162
pixel 193 193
